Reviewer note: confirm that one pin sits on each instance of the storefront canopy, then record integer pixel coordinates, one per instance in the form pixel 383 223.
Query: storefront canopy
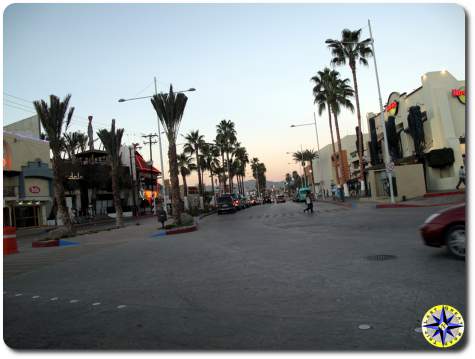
pixel 143 167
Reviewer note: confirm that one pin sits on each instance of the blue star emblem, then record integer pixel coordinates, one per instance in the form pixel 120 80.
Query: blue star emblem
pixel 443 326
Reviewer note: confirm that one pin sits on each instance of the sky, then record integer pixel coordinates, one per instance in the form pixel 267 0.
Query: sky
pixel 249 63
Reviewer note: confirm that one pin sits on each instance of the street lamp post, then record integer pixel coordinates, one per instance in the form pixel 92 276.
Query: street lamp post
pixel 159 132
pixel 386 150
pixel 318 149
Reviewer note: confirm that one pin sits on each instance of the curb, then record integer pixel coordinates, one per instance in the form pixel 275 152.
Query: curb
pixel 441 194
pixel 396 205
pixel 42 244
pixel 168 232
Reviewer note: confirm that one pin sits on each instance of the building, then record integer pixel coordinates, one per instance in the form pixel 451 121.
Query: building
pixel 27 175
pixel 426 136
pixel 324 168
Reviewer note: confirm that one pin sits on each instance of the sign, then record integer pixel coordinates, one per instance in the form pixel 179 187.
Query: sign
pixel 460 94
pixel 390 166
pixel 34 189
pixel 392 108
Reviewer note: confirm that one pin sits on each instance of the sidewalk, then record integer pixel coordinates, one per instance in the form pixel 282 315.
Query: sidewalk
pixel 444 199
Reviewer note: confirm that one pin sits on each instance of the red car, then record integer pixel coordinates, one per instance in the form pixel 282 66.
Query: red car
pixel 446 228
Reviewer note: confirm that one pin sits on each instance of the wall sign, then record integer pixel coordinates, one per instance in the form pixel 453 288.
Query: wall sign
pixel 459 93
pixel 34 189
pixel 392 108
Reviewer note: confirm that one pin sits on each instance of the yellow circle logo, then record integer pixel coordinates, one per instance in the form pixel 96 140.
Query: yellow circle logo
pixel 442 326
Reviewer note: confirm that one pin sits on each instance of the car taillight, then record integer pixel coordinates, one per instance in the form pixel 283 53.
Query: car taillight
pixel 235 203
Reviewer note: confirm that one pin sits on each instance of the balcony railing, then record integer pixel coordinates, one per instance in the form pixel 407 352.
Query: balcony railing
pixel 9 191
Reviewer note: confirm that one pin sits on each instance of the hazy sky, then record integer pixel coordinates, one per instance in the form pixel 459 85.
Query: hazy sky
pixel 249 63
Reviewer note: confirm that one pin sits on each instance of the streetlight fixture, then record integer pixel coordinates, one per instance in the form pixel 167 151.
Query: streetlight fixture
pixel 191 89
pixel 318 149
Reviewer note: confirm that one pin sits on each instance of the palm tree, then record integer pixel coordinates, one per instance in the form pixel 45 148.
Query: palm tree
pixel 185 166
pixel 350 49
pixel 170 108
pixel 227 132
pixel 210 154
pixel 339 96
pixel 53 118
pixel 74 141
pixel 242 159
pixel 112 142
pixel 299 157
pixel 220 145
pixel 320 92
pixel 195 143
pixel 258 172
pixel 310 155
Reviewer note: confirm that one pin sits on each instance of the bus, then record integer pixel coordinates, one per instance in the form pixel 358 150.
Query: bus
pixel 301 194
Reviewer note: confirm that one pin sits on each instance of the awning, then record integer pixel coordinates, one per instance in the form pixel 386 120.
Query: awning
pixel 142 166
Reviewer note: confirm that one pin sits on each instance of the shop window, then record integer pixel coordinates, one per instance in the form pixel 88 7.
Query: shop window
pixel 446 172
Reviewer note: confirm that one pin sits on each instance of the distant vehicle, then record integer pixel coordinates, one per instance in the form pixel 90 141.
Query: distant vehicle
pixel 226 204
pixel 267 199
pixel 247 201
pixel 280 198
pixel 237 202
pixel 301 194
pixel 446 228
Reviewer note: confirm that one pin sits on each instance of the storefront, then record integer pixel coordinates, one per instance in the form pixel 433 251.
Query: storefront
pixel 27 180
pixel 425 128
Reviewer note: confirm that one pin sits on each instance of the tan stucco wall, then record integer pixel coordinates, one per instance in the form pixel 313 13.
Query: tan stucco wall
pixel 23 149
pixel 445 123
pixel 409 182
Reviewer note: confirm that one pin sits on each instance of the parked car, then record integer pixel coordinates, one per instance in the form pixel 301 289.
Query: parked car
pixel 237 201
pixel 446 228
pixel 226 204
pixel 280 198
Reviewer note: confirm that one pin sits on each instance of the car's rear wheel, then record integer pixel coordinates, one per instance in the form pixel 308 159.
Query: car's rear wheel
pixel 455 239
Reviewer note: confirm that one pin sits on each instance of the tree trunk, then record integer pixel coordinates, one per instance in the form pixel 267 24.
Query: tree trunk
pixel 119 221
pixel 358 114
pixel 333 143
pixel 185 187
pixel 339 147
pixel 212 186
pixel 198 169
pixel 229 174
pixel 175 186
pixel 63 213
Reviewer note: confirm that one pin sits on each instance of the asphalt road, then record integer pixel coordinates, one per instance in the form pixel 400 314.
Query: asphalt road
pixel 266 278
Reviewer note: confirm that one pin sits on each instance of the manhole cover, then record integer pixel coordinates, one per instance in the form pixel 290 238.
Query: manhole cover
pixel 381 257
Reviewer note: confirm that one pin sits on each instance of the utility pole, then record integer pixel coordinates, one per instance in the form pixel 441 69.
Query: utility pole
pixel 383 125
pixel 132 178
pixel 162 169
pixel 150 143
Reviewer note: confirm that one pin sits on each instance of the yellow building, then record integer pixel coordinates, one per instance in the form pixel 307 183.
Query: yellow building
pixel 27 175
pixel 426 135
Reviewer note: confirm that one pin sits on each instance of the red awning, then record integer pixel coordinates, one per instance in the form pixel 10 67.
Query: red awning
pixel 142 166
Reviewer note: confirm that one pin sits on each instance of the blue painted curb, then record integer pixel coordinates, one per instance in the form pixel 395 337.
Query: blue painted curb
pixel 159 234
pixel 63 243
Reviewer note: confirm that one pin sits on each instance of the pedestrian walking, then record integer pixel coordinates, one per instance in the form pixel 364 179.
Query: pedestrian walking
pixel 162 216
pixel 309 202
pixel 333 189
pixel 461 177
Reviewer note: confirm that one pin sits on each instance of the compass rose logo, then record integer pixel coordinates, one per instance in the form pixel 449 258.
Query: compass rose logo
pixel 442 326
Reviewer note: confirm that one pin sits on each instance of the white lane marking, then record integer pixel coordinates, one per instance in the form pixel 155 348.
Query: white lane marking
pixel 18 295
pixel 364 326
pixel 74 301
pixel 35 297
pixel 54 298
pixel 96 303
pixel 121 306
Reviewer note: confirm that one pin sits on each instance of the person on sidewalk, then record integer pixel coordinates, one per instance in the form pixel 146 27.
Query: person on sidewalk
pixel 162 216
pixel 309 202
pixel 461 177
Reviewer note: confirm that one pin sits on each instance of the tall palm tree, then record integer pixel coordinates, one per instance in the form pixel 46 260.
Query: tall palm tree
pixel 321 93
pixel 74 141
pixel 258 172
pixel 53 118
pixel 227 132
pixel 185 166
pixel 112 142
pixel 220 145
pixel 170 108
pixel 210 154
pixel 310 155
pixel 194 144
pixel 242 158
pixel 299 157
pixel 351 50
pixel 340 93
